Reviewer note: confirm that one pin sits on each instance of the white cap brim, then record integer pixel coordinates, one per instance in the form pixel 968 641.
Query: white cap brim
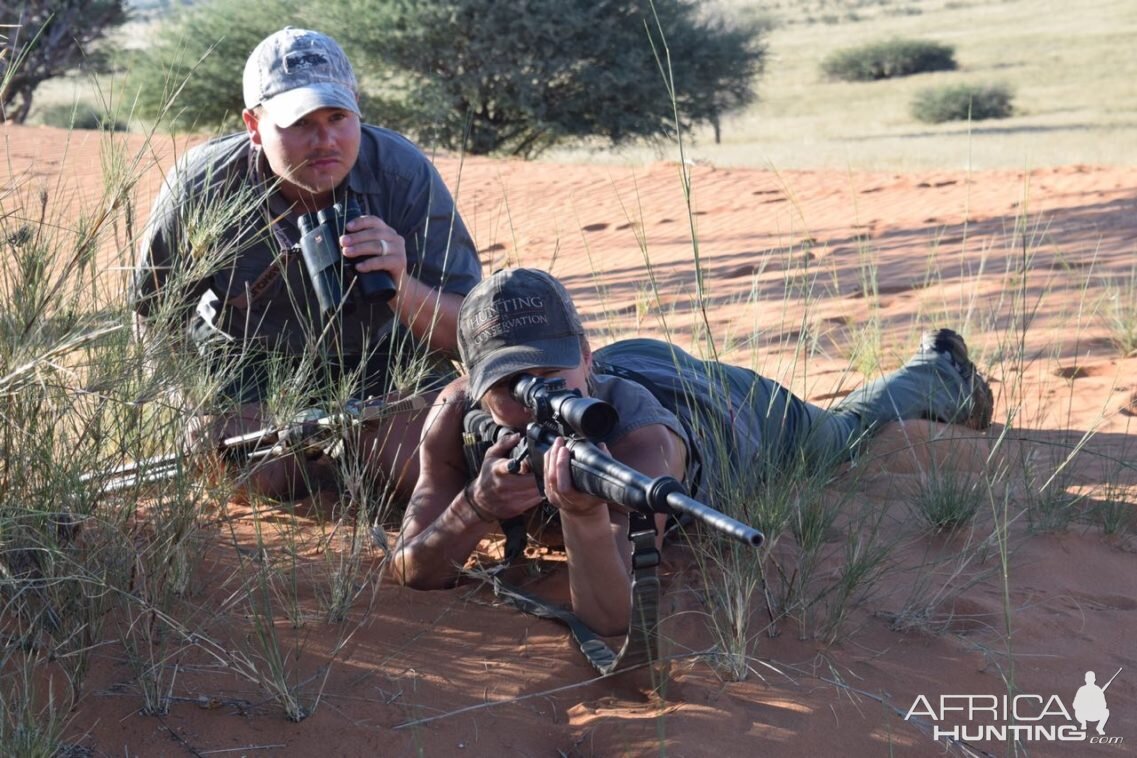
pixel 287 108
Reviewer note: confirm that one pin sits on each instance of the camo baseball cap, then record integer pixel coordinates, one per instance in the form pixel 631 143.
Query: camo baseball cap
pixel 296 71
pixel 516 320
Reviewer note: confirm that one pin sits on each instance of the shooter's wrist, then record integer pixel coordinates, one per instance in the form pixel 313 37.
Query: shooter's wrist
pixel 468 497
pixel 595 519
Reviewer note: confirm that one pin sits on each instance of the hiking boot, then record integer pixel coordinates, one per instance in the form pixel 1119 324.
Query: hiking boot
pixel 982 401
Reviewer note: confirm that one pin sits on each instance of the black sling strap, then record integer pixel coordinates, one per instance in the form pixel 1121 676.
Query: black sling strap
pixel 641 644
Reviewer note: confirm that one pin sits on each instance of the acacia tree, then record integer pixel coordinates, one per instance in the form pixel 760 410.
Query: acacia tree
pixel 48 38
pixel 190 73
pixel 520 77
pixel 482 75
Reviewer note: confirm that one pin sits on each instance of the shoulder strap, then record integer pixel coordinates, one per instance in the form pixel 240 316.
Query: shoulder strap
pixel 255 291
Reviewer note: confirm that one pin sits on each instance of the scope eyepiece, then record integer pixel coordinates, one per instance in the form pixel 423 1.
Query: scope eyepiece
pixel 528 389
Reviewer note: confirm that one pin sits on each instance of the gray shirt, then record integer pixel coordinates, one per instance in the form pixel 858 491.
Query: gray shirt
pixel 219 249
pixel 737 424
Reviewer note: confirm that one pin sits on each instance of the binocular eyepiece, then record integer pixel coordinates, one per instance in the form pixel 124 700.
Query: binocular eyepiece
pixel 332 275
pixel 573 415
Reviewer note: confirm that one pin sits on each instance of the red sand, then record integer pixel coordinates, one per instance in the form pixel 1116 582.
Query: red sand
pixel 452 672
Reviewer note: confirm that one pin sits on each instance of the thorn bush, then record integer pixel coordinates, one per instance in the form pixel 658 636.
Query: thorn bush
pixel 888 59
pixel 962 102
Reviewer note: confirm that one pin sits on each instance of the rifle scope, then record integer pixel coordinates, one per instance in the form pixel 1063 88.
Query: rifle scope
pixel 552 403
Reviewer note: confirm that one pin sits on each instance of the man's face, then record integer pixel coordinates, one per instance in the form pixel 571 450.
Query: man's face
pixel 506 411
pixel 311 157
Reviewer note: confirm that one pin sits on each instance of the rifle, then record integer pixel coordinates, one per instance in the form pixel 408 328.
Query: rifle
pixel 308 435
pixel 583 423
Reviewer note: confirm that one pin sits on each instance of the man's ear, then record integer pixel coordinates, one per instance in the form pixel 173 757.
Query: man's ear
pixel 586 353
pixel 252 126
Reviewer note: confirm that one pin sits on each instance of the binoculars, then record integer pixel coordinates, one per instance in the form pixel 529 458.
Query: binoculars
pixel 333 275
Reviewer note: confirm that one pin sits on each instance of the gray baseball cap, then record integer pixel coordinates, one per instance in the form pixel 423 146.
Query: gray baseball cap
pixel 296 71
pixel 516 320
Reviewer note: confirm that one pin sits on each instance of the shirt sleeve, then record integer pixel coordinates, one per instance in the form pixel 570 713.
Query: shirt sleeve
pixel 440 251
pixel 204 221
pixel 636 407
pixel 158 256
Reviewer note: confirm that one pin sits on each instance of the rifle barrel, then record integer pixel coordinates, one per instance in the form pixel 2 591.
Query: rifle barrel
pixel 132 469
pixel 744 533
pixel 599 474
pixel 254 445
pixel 138 476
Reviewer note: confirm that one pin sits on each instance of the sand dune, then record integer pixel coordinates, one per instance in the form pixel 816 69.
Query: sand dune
pixel 1012 259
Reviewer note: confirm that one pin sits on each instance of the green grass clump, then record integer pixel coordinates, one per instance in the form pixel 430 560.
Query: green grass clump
pixel 962 102
pixel 888 59
pixel 946 501
pixel 1113 512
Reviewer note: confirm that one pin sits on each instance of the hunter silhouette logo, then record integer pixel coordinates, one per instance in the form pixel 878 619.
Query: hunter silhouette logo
pixel 1089 703
pixel 1022 717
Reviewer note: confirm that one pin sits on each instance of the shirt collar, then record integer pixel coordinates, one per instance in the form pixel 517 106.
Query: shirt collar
pixel 360 180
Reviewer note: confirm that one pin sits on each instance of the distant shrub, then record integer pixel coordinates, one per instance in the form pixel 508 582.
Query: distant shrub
pixel 888 59
pixel 961 102
pixel 80 116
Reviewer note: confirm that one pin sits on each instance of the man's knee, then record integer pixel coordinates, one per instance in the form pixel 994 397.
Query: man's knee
pixel 286 475
pixel 390 449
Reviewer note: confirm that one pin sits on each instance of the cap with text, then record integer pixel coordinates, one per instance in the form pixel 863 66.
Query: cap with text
pixel 296 71
pixel 517 320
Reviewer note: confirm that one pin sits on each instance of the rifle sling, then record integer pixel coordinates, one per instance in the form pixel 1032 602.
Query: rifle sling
pixel 641 644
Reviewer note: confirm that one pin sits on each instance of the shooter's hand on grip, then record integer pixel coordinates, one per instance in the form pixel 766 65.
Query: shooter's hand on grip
pixel 497 492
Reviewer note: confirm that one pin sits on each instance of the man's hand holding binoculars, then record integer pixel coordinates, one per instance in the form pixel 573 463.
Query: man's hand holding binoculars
pixel 371 245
